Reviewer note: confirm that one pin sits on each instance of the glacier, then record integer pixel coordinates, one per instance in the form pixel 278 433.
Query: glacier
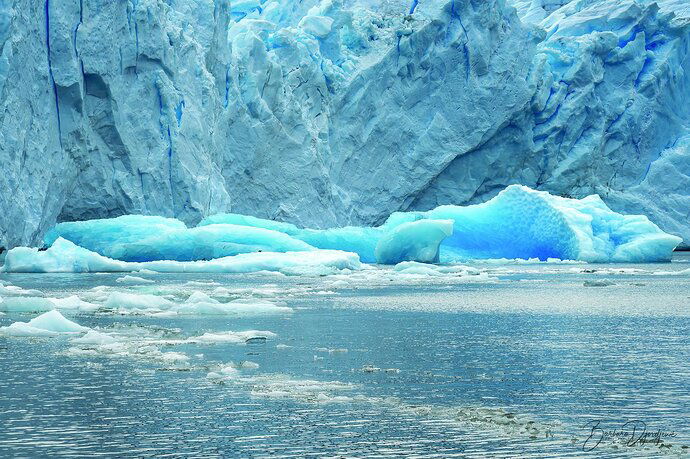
pixel 328 114
pixel 518 223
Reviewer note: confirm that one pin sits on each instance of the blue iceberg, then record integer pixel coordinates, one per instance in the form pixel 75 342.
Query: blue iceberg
pixel 413 241
pixel 66 257
pixel 518 223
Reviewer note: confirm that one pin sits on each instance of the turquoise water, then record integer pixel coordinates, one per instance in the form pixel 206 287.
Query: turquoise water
pixel 519 366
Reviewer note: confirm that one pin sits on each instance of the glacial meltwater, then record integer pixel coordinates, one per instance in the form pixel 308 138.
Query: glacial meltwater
pixel 521 359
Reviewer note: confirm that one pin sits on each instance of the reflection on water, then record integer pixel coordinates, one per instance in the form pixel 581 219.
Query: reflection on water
pixel 517 367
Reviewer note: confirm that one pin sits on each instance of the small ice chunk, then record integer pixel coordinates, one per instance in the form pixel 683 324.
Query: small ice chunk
pixel 74 303
pixel 94 337
pixel 232 337
pixel 598 283
pixel 370 369
pixel 26 304
pixel 200 297
pixel 133 280
pixel 225 372
pixel 54 321
pixel 13 290
pixel 126 301
pixel 247 365
pixel 50 323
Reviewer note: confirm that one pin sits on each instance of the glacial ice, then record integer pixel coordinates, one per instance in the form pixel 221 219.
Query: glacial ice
pixel 41 304
pixel 104 235
pixel 517 223
pixel 413 241
pixel 51 323
pixel 333 113
pixel 141 238
pixel 523 223
pixel 65 256
pixel 133 280
pixel 197 304
pixel 230 337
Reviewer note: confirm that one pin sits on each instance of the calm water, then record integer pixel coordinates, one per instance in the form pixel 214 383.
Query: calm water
pixel 521 366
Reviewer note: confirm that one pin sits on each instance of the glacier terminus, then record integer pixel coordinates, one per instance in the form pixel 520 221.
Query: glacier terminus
pixel 329 114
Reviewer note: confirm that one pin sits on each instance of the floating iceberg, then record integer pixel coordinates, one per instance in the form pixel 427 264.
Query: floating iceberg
pixel 26 304
pixel 413 241
pixel 105 235
pixel 133 280
pixel 65 256
pixel 231 337
pixel 518 223
pixel 524 223
pixel 197 304
pixel 141 238
pixel 51 323
pixel 41 304
pixel 95 338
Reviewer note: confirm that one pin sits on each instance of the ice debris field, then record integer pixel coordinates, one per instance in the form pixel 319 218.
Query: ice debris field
pixel 519 223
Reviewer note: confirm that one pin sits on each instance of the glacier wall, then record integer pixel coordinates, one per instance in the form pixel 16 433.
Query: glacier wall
pixel 328 113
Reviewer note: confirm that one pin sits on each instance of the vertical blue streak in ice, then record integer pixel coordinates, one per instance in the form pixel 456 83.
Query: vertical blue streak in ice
pixel 50 71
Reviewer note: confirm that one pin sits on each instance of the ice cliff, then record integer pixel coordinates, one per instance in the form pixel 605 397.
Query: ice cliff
pixel 332 113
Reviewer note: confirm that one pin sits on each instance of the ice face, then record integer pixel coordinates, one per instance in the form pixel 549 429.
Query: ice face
pixel 333 113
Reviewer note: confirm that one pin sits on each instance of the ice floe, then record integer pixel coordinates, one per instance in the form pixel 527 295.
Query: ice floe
pixel 51 323
pixel 133 280
pixel 65 256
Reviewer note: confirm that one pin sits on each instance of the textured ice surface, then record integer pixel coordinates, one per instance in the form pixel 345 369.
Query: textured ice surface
pixel 523 223
pixel 65 256
pixel 105 235
pixel 332 113
pixel 142 238
pixel 413 241
pixel 517 223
